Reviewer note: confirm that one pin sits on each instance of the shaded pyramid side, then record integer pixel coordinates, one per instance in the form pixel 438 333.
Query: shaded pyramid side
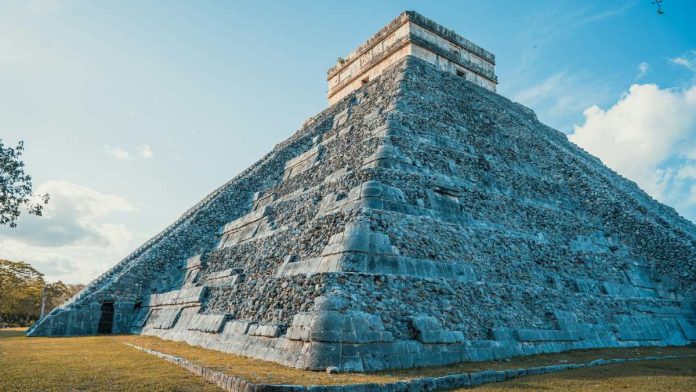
pixel 420 221
pixel 241 234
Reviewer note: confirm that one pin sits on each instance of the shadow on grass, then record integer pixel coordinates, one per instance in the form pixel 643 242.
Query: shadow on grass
pixel 11 332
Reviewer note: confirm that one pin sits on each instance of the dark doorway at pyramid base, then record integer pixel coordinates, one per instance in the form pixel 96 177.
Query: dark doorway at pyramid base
pixel 106 321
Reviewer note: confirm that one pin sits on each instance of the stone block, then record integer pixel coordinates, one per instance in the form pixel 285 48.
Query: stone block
pixel 503 334
pixel 164 318
pixel 211 323
pixel 541 335
pixel 238 327
pixel 687 328
pixel 430 330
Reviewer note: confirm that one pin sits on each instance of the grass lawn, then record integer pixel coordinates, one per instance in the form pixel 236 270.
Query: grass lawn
pixel 648 376
pixel 94 363
pixel 86 364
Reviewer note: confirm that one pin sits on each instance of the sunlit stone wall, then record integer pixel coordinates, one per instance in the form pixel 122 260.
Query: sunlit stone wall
pixel 411 34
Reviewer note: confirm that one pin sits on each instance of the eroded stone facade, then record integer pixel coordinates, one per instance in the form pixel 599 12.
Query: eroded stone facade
pixel 423 220
pixel 411 34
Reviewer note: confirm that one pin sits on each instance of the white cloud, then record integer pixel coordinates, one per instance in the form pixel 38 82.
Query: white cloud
pixel 76 238
pixel 649 136
pixel 643 69
pixel 146 151
pixel 686 60
pixel 562 96
pixel 118 153
pixel 687 172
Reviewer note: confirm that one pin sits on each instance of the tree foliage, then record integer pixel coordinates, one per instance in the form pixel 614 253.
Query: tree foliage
pixel 15 186
pixel 21 288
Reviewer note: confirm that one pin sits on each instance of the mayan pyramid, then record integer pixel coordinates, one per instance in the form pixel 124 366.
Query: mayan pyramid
pixel 422 219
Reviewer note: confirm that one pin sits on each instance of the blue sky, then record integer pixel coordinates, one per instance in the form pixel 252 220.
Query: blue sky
pixel 132 111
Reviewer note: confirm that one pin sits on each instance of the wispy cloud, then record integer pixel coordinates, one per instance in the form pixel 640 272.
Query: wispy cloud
pixel 146 151
pixel 117 152
pixel 560 97
pixel 555 23
pixel 77 237
pixel 143 151
pixel 597 16
pixel 643 69
pixel 686 60
pixel 560 20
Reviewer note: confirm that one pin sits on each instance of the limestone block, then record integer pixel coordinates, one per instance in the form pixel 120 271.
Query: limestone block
pixel 638 332
pixel 184 295
pixel 336 176
pixel 622 290
pixel 340 118
pixel 400 265
pixel 224 278
pixel 191 276
pixel 331 302
pixel 267 330
pixel 260 201
pixel 503 334
pixel 359 238
pixel 388 156
pixel 141 317
pixel 237 327
pixel 595 243
pixel 430 330
pixel 640 278
pixel 194 262
pixel 541 335
pixel 302 162
pixel 164 318
pixel 333 326
pixel 586 286
pixel 254 224
pixel 566 320
pixel 321 355
pixel 443 201
pixel 211 323
pixel 687 328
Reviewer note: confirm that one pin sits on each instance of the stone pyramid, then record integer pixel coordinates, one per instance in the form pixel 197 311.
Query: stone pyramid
pixel 421 220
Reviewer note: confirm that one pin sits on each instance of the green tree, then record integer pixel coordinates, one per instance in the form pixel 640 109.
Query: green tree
pixel 15 186
pixel 59 292
pixel 20 292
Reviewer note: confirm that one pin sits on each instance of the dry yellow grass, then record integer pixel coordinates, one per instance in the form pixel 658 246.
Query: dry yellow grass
pixel 96 363
pixel 678 375
pixel 86 364
pixel 265 372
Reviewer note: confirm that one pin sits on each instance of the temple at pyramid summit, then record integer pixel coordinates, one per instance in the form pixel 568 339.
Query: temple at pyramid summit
pixel 422 219
pixel 411 34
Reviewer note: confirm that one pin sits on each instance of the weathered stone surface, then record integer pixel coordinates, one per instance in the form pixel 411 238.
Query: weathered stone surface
pixel 420 221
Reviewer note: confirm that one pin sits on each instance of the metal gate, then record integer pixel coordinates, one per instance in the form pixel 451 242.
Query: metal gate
pixel 106 321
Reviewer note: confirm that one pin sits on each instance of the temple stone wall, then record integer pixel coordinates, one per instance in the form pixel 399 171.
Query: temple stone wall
pixel 411 34
pixel 422 220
